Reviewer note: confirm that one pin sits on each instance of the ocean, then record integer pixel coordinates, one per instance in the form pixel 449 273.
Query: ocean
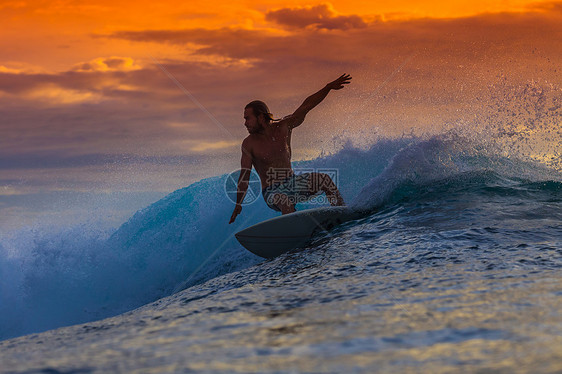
pixel 454 266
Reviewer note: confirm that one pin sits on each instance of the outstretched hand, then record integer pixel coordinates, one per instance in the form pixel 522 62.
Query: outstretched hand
pixel 237 210
pixel 339 83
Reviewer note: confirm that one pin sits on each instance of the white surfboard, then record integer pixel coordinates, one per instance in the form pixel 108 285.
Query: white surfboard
pixel 278 235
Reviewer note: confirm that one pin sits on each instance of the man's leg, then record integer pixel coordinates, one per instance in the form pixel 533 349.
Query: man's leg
pixel 322 182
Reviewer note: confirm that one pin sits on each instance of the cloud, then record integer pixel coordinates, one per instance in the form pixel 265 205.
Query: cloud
pixel 81 83
pixel 52 89
pixel 548 7
pixel 197 36
pixel 104 64
pixel 53 94
pixel 310 49
pixel 75 117
pixel 407 73
pixel 19 67
pixel 213 146
pixel 4 69
pixel 61 159
pixel 321 16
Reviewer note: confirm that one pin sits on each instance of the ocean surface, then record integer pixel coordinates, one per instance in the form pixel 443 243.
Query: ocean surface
pixel 455 266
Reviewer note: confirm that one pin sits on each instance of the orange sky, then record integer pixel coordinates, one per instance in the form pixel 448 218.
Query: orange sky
pixel 79 88
pixel 55 35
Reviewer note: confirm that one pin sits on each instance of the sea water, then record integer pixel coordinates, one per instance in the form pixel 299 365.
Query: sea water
pixel 454 266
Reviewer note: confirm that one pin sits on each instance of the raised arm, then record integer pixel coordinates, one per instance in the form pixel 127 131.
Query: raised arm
pixel 298 116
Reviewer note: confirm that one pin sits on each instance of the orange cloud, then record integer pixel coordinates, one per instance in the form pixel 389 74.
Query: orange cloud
pixel 52 94
pixel 113 63
pixel 547 7
pixel 215 146
pixel 4 69
pixel 321 16
pixel 408 73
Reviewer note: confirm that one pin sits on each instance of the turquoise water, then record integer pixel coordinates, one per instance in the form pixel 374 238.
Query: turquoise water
pixel 455 266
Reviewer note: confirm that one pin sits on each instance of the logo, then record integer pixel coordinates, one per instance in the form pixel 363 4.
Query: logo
pixel 231 187
pixel 315 186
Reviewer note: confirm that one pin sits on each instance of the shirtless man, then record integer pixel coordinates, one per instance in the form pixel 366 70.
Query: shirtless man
pixel 268 149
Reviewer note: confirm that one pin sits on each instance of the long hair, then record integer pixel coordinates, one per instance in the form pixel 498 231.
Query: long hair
pixel 259 107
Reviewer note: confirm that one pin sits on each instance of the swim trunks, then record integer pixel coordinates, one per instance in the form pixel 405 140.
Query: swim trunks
pixel 294 189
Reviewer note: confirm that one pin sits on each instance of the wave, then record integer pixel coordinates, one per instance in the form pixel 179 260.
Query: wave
pixel 451 162
pixel 55 278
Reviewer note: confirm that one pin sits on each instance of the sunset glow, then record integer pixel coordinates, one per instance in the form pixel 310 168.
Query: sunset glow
pixel 55 35
pixel 94 81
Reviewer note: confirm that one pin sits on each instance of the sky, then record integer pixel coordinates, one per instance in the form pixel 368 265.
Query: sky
pixel 138 99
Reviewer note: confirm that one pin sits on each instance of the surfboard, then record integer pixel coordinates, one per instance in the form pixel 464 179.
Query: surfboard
pixel 279 235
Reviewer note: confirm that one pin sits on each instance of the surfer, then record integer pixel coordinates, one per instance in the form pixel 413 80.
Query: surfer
pixel 268 149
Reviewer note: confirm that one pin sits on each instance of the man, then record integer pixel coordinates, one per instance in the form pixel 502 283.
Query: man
pixel 268 149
